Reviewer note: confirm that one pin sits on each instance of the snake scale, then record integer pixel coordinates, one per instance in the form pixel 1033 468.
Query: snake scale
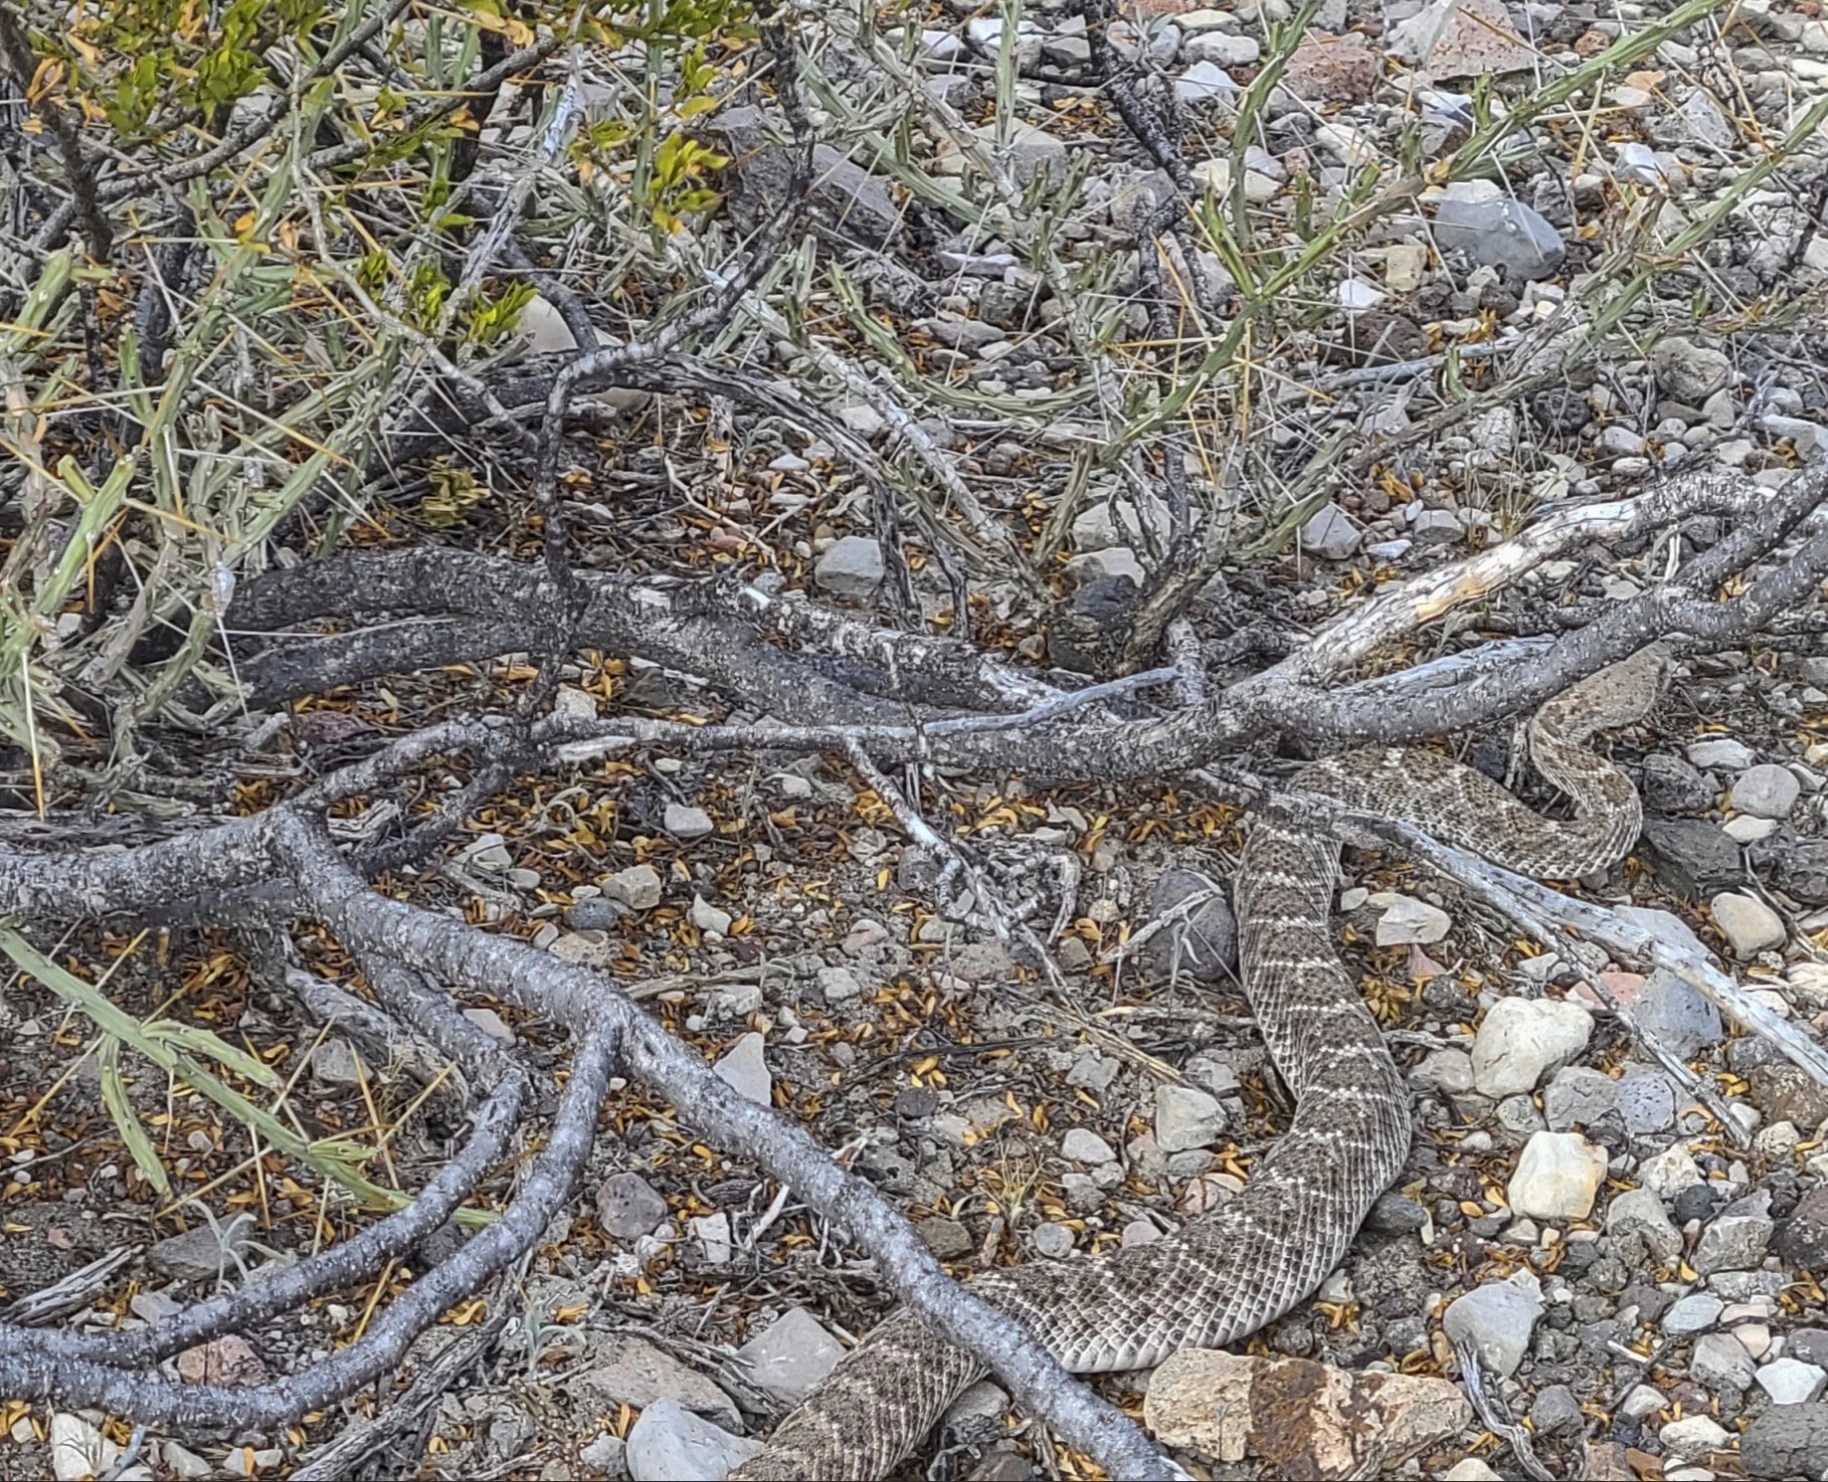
pixel 1250 1260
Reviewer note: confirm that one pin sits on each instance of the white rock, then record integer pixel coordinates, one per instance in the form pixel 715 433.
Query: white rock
pixel 1748 924
pixel 1723 752
pixel 1790 1381
pixel 713 1233
pixel 1670 1172
pixel 1470 1470
pixel 852 567
pixel 1693 1435
pixel 1497 1319
pixel 78 1449
pixel 668 1443
pixel 1765 791
pixel 1557 1177
pixel 707 917
pixel 1521 1039
pixel 637 887
pixel 1406 919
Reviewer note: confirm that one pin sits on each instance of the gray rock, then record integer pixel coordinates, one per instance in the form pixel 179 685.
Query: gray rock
pixel 1689 372
pixel 707 917
pixel 1186 1119
pixel 1802 1239
pixel 1203 83
pixel 1676 1015
pixel 744 1071
pixel 333 1063
pixel 1033 154
pixel 1786 1093
pixel 1671 785
pixel 851 567
pixel 1330 534
pixel 1748 924
pixel 1736 1241
pixel 1204 945
pixel 1578 1097
pixel 844 195
pixel 685 822
pixel 628 1206
pixel 1647 1102
pixel 947 1239
pixel 1448 1071
pixel 1556 1410
pixel 712 1232
pixel 1786 1441
pixel 1083 1145
pixel 1404 919
pixel 1520 1039
pixel 1692 857
pixel 197 1254
pixel 668 1443
pixel 790 1356
pixel 1640 1229
pixel 1720 1360
pixel 1695 1313
pixel 637 887
pixel 1052 1241
pixel 607 1454
pixel 631 1371
pixel 1436 527
pixel 1766 791
pixel 838 984
pixel 1693 1435
pixel 1501 234
pixel 1497 1319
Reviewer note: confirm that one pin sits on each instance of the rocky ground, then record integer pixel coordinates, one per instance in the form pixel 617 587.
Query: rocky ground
pixel 1635 1276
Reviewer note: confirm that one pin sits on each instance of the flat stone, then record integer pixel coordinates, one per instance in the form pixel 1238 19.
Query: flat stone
pixel 1082 1145
pixel 1330 534
pixel 947 1239
pixel 1332 69
pixel 1734 1241
pixel 790 1356
pixel 1695 1313
pixel 1497 1319
pixel 1766 791
pixel 1722 752
pixel 628 1206
pixel 631 1371
pixel 1674 1012
pixel 684 821
pixel 1462 38
pixel 1520 1039
pixel 1203 944
pixel 1693 1435
pixel 1719 1360
pixel 707 917
pixel 668 1443
pixel 1501 233
pixel 1447 1071
pixel 1578 1097
pixel 1303 1419
pixel 1786 1441
pixel 1406 919
pixel 851 567
pixel 742 1068
pixel 1689 372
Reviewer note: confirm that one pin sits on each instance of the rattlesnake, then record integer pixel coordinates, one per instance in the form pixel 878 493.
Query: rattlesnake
pixel 1253 1258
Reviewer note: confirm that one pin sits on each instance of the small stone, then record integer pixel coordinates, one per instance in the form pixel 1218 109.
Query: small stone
pixel 685 822
pixel 1082 1145
pixel 1521 1038
pixel 196 1255
pixel 1578 1097
pixel 1501 233
pixel 668 1443
pixel 1765 791
pixel 1406 919
pixel 1733 1242
pixel 1722 752
pixel 838 984
pixel 333 1063
pixel 1695 1313
pixel 1790 1381
pixel 1186 1119
pixel 1497 1319
pixel 1802 1239
pixel 1446 1071
pixel 1204 944
pixel 1330 534
pixel 1203 83
pixel 712 1231
pixel 1556 1410
pixel 947 1239
pixel 790 1356
pixel 742 1068
pixel 629 1370
pixel 707 917
pixel 1470 1470
pixel 637 887
pixel 1670 1172
pixel 606 1454
pixel 1052 1241
pixel 1748 924
pixel 78 1450
pixel 1640 1228
pixel 1719 1360
pixel 628 1206
pixel 852 567
pixel 1689 372
pixel 1557 1177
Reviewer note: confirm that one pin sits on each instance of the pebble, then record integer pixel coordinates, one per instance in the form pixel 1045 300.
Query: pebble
pixel 637 887
pixel 1695 1313
pixel 1497 1319
pixel 788 1357
pixel 1640 1227
pixel 1520 1039
pixel 1082 1145
pixel 1052 1241
pixel 1673 1010
pixel 628 1206
pixel 742 1069
pixel 1720 1359
pixel 685 822
pixel 1406 920
pixel 1734 1241
pixel 1748 924
pixel 1721 752
pixel 709 918
pixel 1330 534
pixel 1448 1071
pixel 1186 1119
pixel 1765 791
pixel 1786 1441
pixel 1557 1177
pixel 1689 372
pixel 852 567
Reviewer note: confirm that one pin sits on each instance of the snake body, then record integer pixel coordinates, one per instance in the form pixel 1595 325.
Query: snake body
pixel 1227 1273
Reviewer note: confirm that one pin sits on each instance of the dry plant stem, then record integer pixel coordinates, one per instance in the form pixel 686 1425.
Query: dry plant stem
pixel 29 1372
pixel 472 959
pixel 341 1266
pixel 79 170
